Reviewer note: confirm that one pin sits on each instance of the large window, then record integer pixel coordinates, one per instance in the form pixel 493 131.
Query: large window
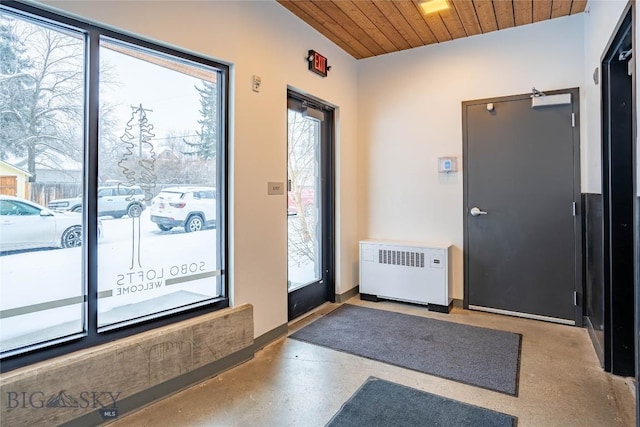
pixel 112 185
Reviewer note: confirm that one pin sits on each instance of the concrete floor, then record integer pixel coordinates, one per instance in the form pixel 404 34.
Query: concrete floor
pixel 291 383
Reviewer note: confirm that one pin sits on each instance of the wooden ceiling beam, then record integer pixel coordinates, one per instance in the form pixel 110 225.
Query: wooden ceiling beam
pixel 523 11
pixel 382 23
pixel 467 13
pixel 399 21
pixel 504 14
pixel 541 10
pixel 415 19
pixel 344 21
pixel 486 15
pixel 365 23
pixel 560 8
pixel 292 6
pixel 314 9
pixel 439 29
pixel 452 22
pixel 365 28
pixel 578 6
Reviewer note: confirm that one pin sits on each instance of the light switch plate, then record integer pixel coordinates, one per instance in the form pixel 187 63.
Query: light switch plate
pixel 257 81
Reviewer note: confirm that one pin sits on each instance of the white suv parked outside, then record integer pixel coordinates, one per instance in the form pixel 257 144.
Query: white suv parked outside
pixel 193 208
pixel 115 201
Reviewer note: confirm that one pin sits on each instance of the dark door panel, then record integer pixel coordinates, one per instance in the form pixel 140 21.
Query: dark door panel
pixel 309 204
pixel 521 171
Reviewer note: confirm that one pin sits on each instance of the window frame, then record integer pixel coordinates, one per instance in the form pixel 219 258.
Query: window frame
pixel 91 337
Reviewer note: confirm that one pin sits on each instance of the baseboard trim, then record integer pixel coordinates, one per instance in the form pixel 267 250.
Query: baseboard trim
pixel 160 391
pixel 269 337
pixel 146 397
pixel 340 298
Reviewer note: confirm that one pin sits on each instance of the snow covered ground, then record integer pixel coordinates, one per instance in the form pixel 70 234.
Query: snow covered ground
pixel 136 263
pixel 141 271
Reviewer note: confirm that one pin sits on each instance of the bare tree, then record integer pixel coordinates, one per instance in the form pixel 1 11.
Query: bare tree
pixel 302 134
pixel 43 115
pixel 175 166
pixel 110 148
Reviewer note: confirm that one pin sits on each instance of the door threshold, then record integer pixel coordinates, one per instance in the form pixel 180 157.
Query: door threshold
pixel 322 309
pixel 525 315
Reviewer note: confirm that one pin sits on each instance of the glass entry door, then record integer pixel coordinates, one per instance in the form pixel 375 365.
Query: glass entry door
pixel 309 204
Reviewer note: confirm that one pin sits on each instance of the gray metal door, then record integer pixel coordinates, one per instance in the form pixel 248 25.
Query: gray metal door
pixel 521 183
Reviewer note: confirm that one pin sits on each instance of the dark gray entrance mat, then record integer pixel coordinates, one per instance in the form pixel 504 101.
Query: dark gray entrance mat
pixel 382 403
pixel 478 356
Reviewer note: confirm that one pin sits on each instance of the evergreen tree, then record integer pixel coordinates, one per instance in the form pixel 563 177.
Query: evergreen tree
pixel 207 137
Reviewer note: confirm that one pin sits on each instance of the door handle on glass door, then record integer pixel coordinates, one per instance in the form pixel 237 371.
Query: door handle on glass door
pixel 475 211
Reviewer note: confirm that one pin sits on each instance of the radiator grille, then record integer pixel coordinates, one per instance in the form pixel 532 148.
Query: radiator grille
pixel 408 259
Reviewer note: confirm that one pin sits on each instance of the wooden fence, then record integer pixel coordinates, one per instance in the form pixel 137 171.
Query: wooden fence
pixel 43 193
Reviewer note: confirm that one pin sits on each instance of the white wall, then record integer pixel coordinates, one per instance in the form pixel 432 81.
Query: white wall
pixel 263 38
pixel 600 20
pixel 410 114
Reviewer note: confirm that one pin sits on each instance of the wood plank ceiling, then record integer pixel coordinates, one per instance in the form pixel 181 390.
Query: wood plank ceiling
pixel 366 28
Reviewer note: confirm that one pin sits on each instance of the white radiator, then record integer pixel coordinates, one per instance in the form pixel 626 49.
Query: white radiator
pixel 404 271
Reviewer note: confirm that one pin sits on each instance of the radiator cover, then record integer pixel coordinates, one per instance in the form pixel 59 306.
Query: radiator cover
pixel 406 271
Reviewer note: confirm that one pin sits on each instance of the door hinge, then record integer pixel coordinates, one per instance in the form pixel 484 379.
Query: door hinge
pixel 575 298
pixel 573 208
pixel 573 120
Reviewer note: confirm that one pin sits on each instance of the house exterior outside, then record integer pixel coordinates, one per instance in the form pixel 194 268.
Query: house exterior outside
pixel 14 181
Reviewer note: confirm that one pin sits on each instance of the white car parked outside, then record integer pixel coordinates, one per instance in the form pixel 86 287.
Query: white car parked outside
pixel 193 208
pixel 113 200
pixel 27 225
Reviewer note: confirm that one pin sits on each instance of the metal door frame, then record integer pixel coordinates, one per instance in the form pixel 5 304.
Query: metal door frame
pixel 620 307
pixel 305 297
pixel 577 222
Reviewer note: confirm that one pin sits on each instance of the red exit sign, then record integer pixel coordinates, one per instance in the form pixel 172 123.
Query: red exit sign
pixel 318 63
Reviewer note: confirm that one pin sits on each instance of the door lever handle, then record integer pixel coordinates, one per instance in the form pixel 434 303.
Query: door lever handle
pixel 475 211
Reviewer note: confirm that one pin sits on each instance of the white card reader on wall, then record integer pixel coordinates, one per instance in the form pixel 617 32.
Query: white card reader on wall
pixel 447 164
